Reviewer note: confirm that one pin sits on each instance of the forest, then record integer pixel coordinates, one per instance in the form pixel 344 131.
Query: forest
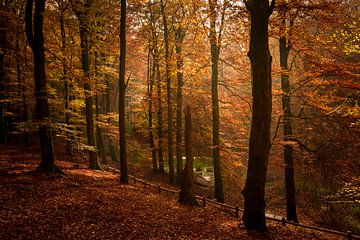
pixel 179 119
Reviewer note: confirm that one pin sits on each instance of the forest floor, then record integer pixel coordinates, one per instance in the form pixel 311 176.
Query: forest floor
pixel 86 204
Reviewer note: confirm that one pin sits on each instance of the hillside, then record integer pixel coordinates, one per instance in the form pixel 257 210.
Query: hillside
pixel 86 204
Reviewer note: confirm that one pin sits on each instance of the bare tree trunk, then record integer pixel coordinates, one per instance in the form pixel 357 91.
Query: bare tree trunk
pixel 284 47
pixel 259 145
pixel 122 88
pixel 187 195
pixel 34 33
pixel 168 91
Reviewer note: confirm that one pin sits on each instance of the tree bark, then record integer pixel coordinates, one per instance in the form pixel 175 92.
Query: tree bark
pixel 180 34
pixel 2 85
pixel 284 47
pixel 168 93
pixel 259 145
pixel 159 110
pixel 82 10
pixel 34 33
pixel 99 136
pixel 187 195
pixel 151 76
pixel 215 52
pixel 122 88
pixel 66 80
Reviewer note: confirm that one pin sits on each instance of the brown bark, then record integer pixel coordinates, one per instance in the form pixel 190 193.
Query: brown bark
pixel 187 195
pixel 259 145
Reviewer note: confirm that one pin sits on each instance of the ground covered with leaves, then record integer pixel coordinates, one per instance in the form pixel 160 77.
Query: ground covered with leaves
pixel 85 204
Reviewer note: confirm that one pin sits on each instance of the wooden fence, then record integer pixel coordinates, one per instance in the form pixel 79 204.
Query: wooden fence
pixel 348 235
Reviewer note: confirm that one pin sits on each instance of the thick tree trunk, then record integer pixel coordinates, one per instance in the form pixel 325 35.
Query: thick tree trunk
pixel 259 145
pixel 34 33
pixel 180 34
pixel 187 195
pixel 122 88
pixel 284 47
pixel 215 52
pixel 168 93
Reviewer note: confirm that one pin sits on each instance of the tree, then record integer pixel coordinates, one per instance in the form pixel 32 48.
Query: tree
pixel 284 48
pixel 215 42
pixel 168 94
pixel 186 195
pixel 122 87
pixel 259 145
pixel 82 10
pixel 179 39
pixel 35 37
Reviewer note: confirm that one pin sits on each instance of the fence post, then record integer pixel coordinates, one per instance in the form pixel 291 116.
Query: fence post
pixel 203 201
pixel 283 221
pixel 237 211
pixel 159 189
pixel 349 235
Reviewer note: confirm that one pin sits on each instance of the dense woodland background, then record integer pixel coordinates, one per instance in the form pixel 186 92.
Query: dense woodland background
pixel 193 53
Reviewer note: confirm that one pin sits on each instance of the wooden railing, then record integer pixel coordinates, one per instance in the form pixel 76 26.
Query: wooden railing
pixel 348 235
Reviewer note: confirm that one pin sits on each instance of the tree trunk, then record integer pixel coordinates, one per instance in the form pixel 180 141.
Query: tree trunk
pixel 99 136
pixel 187 195
pixel 2 85
pixel 180 34
pixel 159 110
pixel 168 93
pixel 122 88
pixel 34 33
pixel 66 82
pixel 259 145
pixel 284 47
pixel 215 52
pixel 82 12
pixel 151 76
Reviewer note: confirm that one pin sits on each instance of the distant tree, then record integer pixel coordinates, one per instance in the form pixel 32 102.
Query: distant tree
pixel 187 195
pixel 122 88
pixel 259 145
pixel 34 33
